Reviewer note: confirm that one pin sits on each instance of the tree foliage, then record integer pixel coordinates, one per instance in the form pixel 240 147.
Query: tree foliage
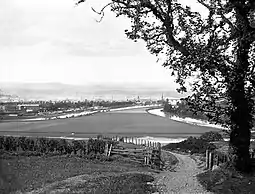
pixel 181 109
pixel 211 54
pixel 211 136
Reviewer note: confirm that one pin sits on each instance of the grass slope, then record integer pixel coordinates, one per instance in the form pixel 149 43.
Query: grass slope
pixel 29 173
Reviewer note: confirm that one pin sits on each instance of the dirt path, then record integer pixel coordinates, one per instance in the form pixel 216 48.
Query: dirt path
pixel 182 178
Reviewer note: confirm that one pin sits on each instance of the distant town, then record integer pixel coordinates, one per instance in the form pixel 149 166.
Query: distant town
pixel 12 107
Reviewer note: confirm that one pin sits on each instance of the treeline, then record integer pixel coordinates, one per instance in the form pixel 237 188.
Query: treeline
pixel 41 145
pixel 64 105
pixel 114 104
pixel 181 109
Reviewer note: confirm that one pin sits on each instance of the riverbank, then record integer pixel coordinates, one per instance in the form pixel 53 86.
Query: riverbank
pixel 188 120
pixel 159 112
pixel 73 114
pixel 135 122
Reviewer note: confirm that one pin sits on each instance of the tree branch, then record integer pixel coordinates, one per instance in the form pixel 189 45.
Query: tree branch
pixel 224 18
pixel 167 22
pixel 101 12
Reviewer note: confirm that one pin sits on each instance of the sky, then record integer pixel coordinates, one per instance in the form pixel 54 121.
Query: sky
pixel 55 41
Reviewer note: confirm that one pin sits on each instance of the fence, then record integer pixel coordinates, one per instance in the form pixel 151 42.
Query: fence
pixel 146 152
pixel 138 150
pixel 216 158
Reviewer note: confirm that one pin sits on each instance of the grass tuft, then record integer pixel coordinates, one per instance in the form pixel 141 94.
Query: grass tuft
pixel 227 181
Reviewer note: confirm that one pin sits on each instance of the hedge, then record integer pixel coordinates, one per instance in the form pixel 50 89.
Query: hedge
pixel 44 145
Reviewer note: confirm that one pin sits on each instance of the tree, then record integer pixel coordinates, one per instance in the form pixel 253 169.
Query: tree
pixel 213 52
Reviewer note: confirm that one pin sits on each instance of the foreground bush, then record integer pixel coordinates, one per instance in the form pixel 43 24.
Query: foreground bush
pixel 191 145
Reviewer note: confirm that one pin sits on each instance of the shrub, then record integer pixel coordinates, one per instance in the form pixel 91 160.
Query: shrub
pixel 99 136
pixel 62 146
pixel 211 136
pixel 1 142
pixel 96 146
pixel 191 145
pixel 9 143
pixel 41 144
pixel 52 144
pixel 76 145
pixel 26 143
pixel 122 139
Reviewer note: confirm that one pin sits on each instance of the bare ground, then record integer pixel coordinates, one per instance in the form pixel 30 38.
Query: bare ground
pixel 182 177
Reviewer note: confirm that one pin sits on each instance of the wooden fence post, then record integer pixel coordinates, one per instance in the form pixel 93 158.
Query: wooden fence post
pixel 224 158
pixel 145 161
pixel 106 149
pixel 87 148
pixel 109 153
pixel 150 156
pixel 211 160
pixel 217 160
pixel 159 150
pixel 207 159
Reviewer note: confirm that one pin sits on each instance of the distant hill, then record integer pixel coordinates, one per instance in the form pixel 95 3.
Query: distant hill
pixel 104 91
pixel 7 97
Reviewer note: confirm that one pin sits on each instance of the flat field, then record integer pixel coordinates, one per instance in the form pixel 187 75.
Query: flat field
pixel 123 123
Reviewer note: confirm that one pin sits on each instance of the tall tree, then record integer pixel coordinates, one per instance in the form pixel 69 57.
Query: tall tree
pixel 215 50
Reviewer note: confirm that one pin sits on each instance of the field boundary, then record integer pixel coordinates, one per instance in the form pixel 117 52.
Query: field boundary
pixel 146 152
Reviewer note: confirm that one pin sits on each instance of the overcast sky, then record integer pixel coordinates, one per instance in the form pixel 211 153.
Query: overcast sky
pixel 54 41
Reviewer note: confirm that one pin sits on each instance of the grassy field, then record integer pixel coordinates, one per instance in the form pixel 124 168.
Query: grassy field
pixel 228 182
pixel 29 173
pixel 118 123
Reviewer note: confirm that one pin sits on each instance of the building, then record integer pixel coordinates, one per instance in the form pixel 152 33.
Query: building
pixel 9 108
pixel 29 107
pixel 2 108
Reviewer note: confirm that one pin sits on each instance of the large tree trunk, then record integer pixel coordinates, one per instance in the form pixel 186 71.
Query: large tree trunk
pixel 240 130
pixel 241 111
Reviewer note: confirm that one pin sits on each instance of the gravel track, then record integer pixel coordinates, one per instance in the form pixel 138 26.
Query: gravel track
pixel 182 178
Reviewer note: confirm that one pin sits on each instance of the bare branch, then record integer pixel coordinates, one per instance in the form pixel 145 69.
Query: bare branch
pixel 101 12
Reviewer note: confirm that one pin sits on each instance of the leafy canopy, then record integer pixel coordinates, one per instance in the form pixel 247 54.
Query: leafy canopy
pixel 199 47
